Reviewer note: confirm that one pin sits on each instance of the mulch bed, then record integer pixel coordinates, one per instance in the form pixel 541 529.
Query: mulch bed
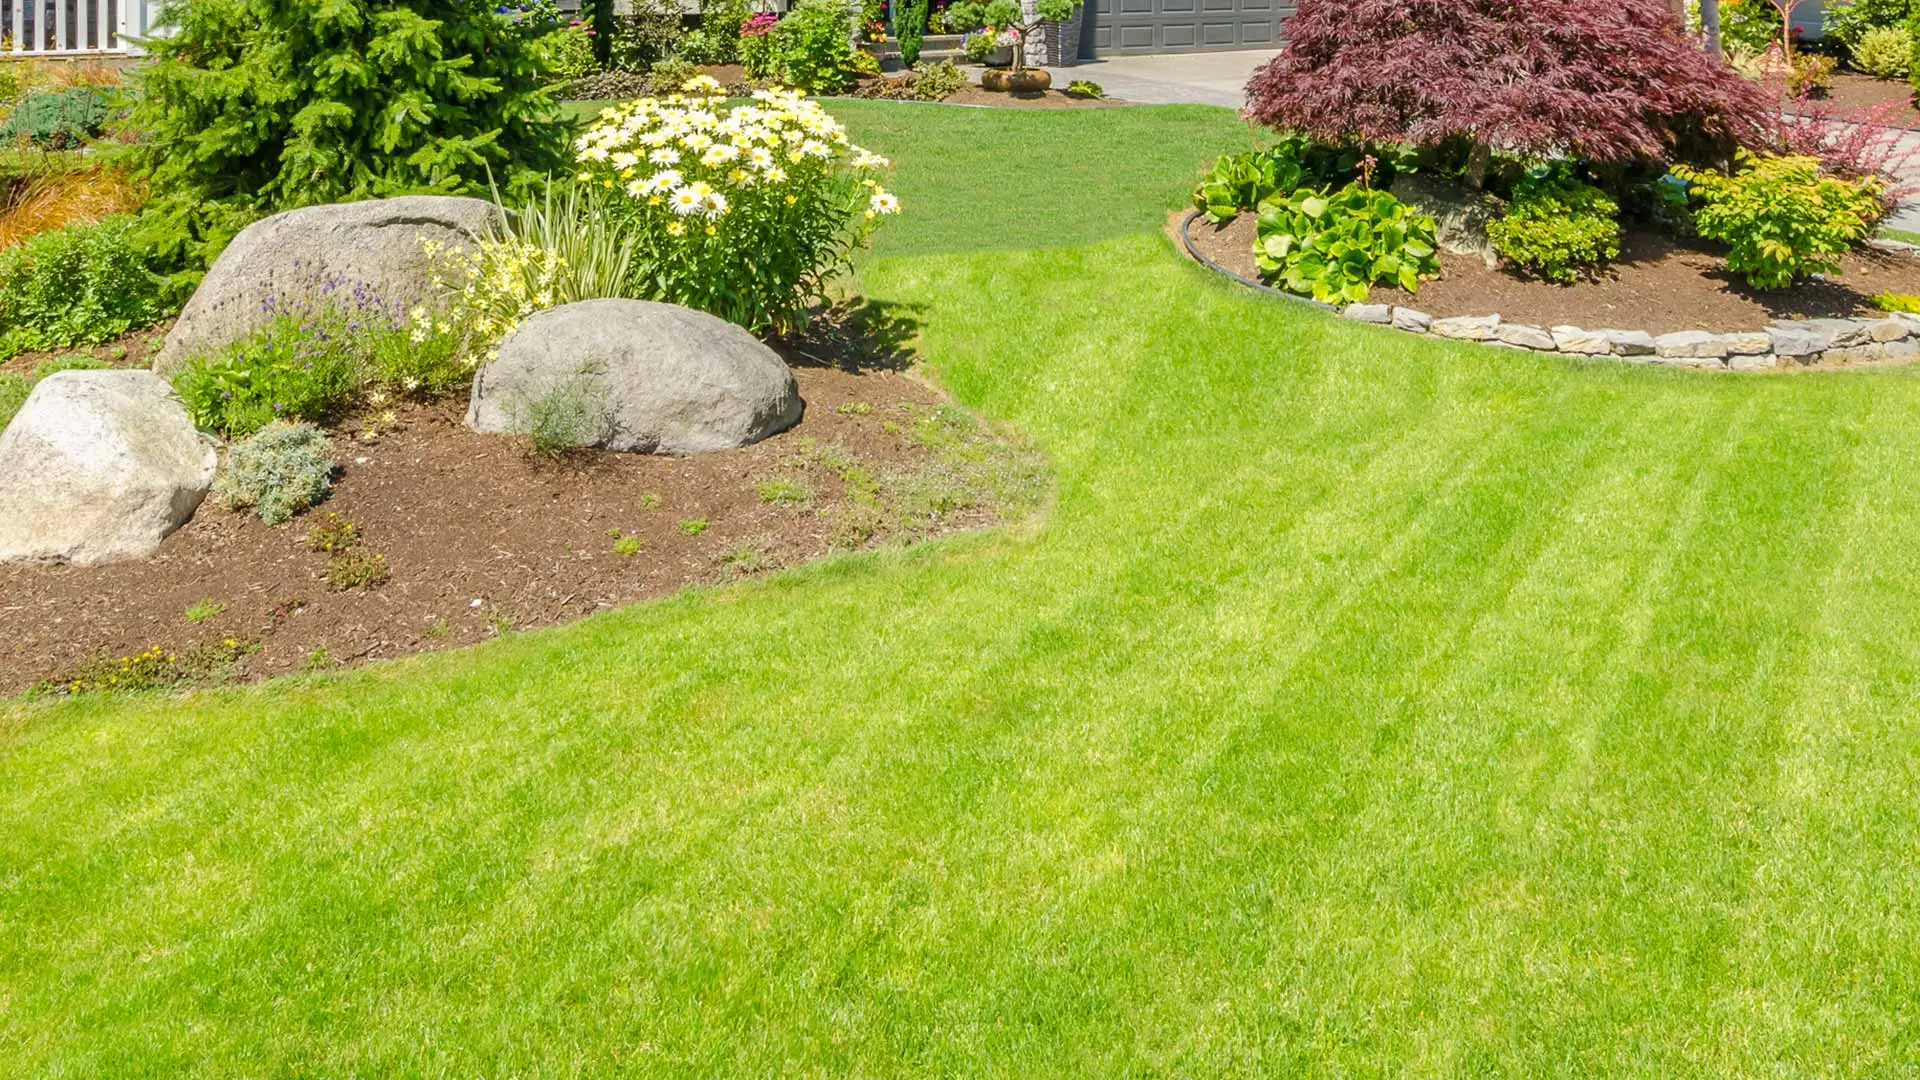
pixel 482 538
pixel 1854 93
pixel 971 94
pixel 1658 284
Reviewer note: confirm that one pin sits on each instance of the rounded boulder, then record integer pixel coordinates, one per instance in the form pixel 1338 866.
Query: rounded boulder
pixel 99 466
pixel 344 255
pixel 636 376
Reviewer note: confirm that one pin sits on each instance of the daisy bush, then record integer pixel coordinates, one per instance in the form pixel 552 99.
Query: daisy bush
pixel 743 211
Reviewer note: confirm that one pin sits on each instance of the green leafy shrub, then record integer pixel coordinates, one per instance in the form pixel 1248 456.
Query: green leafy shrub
pixel 1753 25
pixel 1810 72
pixel 57 119
pixel 1085 88
pixel 1889 301
pixel 1781 217
pixel 910 24
pixel 81 285
pixel 1556 226
pixel 570 53
pixel 645 34
pixel 313 359
pixel 1884 52
pixel 1848 22
pixel 812 47
pixel 756 45
pixel 718 39
pixel 929 82
pixel 938 82
pixel 1333 247
pixel 279 471
pixel 268 105
pixel 751 235
pixel 289 371
pixel 964 16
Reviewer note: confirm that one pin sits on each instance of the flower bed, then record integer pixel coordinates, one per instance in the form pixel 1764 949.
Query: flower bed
pixel 445 536
pixel 1825 324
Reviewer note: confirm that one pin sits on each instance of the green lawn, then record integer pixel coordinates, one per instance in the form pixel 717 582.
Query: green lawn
pixel 1366 706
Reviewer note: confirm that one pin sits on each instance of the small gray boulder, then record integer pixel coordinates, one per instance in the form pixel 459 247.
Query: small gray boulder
pixel 637 376
pixel 344 254
pixel 99 466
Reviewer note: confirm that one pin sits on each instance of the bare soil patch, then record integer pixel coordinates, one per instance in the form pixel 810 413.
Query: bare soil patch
pixel 1658 284
pixel 482 539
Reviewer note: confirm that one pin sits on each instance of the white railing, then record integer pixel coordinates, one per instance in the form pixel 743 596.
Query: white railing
pixel 73 27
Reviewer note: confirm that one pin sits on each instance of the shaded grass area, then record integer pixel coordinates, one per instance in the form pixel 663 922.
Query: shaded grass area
pixel 1365 706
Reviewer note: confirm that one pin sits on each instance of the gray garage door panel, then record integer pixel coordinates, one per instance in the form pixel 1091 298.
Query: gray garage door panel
pixel 1119 27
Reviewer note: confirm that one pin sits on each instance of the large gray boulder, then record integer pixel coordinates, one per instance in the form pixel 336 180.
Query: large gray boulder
pixel 1460 217
pixel 638 376
pixel 98 466
pixel 346 254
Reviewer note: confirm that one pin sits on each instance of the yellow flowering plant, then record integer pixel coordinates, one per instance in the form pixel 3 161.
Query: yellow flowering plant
pixel 744 211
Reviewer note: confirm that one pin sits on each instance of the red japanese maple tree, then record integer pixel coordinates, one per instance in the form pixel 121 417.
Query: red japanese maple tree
pixel 1604 80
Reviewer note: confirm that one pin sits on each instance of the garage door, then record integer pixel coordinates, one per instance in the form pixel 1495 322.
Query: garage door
pixel 1121 27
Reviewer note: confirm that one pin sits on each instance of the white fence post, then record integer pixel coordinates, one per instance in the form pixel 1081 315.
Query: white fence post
pixel 74 27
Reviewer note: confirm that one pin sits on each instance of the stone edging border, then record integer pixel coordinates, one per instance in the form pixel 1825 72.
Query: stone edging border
pixel 1784 344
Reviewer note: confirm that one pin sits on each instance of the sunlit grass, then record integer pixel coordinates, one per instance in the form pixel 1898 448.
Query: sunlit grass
pixel 1364 706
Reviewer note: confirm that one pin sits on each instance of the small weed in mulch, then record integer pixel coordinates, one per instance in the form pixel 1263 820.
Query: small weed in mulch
pixel 157 668
pixel 357 568
pixel 350 565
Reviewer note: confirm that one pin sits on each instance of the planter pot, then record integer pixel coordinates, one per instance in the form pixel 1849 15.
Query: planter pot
pixel 1000 57
pixel 1062 42
pixel 1030 81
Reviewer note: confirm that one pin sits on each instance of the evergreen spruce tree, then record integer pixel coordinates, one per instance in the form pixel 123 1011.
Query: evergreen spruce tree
pixel 267 104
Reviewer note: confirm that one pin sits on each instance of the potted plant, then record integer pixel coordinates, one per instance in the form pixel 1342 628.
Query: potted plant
pixel 1005 35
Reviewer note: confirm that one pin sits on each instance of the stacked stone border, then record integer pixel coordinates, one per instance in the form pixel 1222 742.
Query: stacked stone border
pixel 1783 345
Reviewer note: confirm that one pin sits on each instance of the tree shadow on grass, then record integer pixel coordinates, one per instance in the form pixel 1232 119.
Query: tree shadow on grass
pixel 856 336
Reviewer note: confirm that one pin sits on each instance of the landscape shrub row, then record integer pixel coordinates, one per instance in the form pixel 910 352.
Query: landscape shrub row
pixel 1678 135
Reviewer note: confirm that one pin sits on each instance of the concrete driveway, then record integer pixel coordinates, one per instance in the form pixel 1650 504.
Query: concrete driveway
pixel 1212 78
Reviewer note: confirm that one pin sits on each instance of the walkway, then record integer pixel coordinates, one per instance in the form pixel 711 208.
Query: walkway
pixel 1215 78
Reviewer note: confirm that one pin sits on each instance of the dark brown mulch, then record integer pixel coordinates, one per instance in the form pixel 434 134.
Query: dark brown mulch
pixel 481 538
pixel 1658 284
pixel 1854 93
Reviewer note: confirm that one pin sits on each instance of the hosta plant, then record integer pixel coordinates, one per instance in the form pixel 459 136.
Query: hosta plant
pixel 1335 246
pixel 1781 217
pixel 743 211
pixel 1241 182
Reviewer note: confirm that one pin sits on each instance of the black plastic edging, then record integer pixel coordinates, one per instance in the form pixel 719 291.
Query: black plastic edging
pixel 1186 241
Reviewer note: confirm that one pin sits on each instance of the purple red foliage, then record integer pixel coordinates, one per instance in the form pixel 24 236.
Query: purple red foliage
pixel 1606 80
pixel 1860 143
